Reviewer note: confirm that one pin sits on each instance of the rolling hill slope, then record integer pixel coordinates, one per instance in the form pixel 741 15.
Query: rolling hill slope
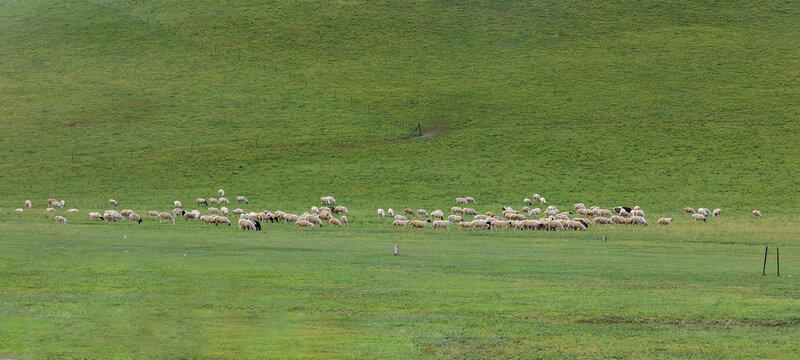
pixel 660 104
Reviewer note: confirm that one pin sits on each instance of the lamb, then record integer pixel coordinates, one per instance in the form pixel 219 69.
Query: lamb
pixel 454 218
pixel 214 201
pixel 94 216
pixel 166 216
pixel 757 214
pixel 536 197
pixel 717 212
pixel 422 212
pixel 418 224
pixel 242 199
pixel 112 202
pixel 461 201
pixel 61 219
pixel 470 199
pixel 344 221
pixel 400 223
pixel 438 214
pixel 469 211
pixel 224 200
pixel 153 213
pixel 381 213
pixel 688 210
pixel 221 192
pixel 527 201
pixel 245 224
pixel 441 224
pixel 335 222
pixel 525 209
pixel 600 220
pixel 221 220
pixel 135 217
pixel 213 210
pixel 72 210
pixel 177 204
pixel 303 223
pixel 390 212
pixel 28 204
pixel 664 221
pixel 699 217
pixel 201 201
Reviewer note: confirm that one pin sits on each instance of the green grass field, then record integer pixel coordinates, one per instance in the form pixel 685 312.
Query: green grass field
pixel 660 104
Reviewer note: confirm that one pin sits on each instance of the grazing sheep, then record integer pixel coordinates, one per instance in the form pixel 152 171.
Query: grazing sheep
pixel 153 213
pixel 344 221
pixel 201 201
pixel 381 213
pixel 461 201
pixel 177 204
pixel 224 201
pixel 454 218
pixel 553 225
pixel 418 224
pixel 456 210
pixel 530 225
pixel 704 211
pixel 441 224
pixel 578 206
pixel 28 204
pixel 464 224
pixel 699 217
pixel 325 215
pixel 688 210
pixel 408 211
pixel 717 212
pixel 213 210
pixel 126 212
pixel 18 210
pixel 166 216
pixel 61 219
pixel 480 224
pixel 207 219
pixel 72 210
pixel 618 219
pixel 664 221
pixel 470 211
pixel 480 217
pixel 390 212
pixel 340 209
pixel 400 217
pixel 242 199
pixel 246 224
pixel 400 223
pixel 112 202
pixel 314 220
pixel 50 210
pixel 470 199
pixel 500 224
pixel 178 212
pixel 624 213
pixel 94 216
pixel 335 222
pixel 438 214
pixel 536 197
pixel 59 204
pixel 600 220
pixel 638 212
pixel 562 217
pixel 221 192
pixel 543 201
pixel 636 220
pixel 191 215
pixel 237 211
pixel 303 223
pixel 757 214
pixel 221 220
pixel 575 225
pixel 604 212
pixel 135 217
pixel 422 212
pixel 213 201
pixel 534 211
pixel 527 201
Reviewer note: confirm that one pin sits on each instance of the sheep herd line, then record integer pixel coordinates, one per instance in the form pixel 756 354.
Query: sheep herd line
pixel 216 215
pixel 527 218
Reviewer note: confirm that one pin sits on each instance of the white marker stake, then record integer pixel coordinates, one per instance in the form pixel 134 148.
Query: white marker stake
pixel 396 249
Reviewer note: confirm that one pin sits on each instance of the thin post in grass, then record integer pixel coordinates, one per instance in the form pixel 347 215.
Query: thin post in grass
pixel 778 253
pixel 764 272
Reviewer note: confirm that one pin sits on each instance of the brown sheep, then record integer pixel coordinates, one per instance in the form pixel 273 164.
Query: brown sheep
pixel 418 224
pixel 688 210
pixel 717 212
pixel 757 214
pixel 664 221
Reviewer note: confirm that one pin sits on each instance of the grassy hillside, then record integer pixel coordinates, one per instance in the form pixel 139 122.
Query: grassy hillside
pixel 661 104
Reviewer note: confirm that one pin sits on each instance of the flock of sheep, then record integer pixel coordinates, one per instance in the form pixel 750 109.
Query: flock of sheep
pixel 217 216
pixel 551 219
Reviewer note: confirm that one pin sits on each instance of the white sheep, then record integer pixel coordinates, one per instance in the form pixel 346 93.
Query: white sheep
pixel 390 212
pixel 221 220
pixel 438 214
pixel 470 199
pixel 400 223
pixel 50 210
pixel 757 214
pixel 166 216
pixel 28 204
pixel 455 218
pixel 213 201
pixel 213 210
pixel 422 212
pixel 381 213
pixel 717 212
pixel 344 221
pixel 61 219
pixel 18 210
pixel 221 192
pixel 224 200
pixel 201 201
pixel 699 217
pixel 303 223
pixel 94 216
pixel 177 204
pixel 135 217
pixel 224 210
pixel 246 224
pixel 461 201
pixel 418 224
pixel 112 202
pixel 664 221
pixel 542 200
pixel 153 213
pixel 527 201
pixel 242 199
pixel 441 224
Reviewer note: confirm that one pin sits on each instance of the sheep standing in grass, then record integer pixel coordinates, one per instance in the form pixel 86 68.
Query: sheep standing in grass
pixel 408 211
pixel 602 220
pixel 461 201
pixel 242 199
pixel 400 223
pixel 221 220
pixel 28 204
pixel 177 204
pixel 381 213
pixel 456 210
pixel 400 217
pixel 418 224
pixel 341 209
pixel 61 219
pixel 335 222
pixel 454 218
pixel 344 221
pixel 638 212
pixel 166 216
pixel 438 214
pixel 704 211
pixel 303 223
pixel 246 224
pixel 112 202
pixel 224 200
pixel 618 219
pixel 213 201
pixel 135 217
pixel 470 200
pixel 126 212
pixel 527 201
pixel 636 220
pixel 422 212
pixel 699 217
pixel 201 201
pixel 757 214
pixel 534 211
pixel 19 210
pixel 688 210
pixel 213 210
pixel 716 212
pixel 94 216
pixel 153 213
pixel 221 192
pixel 469 211
pixel 390 212
pixel 441 224
pixel 664 221
pixel 543 201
